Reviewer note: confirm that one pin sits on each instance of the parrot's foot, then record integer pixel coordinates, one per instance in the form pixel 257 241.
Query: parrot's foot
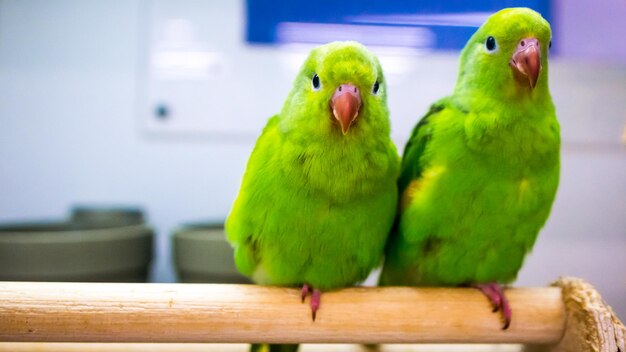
pixel 498 300
pixel 315 298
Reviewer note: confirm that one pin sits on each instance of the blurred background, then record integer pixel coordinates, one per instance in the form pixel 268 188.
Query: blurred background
pixel 154 106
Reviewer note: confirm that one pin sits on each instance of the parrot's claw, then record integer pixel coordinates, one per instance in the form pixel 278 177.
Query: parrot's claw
pixel 315 298
pixel 315 302
pixel 498 300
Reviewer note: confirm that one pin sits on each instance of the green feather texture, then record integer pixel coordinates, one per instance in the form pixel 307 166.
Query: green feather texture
pixel 316 205
pixel 481 169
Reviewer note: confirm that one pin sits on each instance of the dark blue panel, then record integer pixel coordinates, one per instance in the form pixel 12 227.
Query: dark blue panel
pixel 264 17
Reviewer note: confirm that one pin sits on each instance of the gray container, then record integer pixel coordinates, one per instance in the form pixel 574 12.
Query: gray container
pixel 202 254
pixel 75 251
pixel 94 215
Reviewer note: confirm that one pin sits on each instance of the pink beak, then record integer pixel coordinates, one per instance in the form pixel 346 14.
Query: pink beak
pixel 526 61
pixel 345 105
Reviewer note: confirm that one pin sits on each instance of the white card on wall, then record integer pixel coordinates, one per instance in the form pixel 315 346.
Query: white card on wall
pixel 198 76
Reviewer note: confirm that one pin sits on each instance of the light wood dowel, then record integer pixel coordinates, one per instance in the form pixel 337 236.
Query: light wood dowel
pixel 237 347
pixel 115 312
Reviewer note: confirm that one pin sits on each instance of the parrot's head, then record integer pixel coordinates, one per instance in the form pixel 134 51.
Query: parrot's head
pixel 339 91
pixel 508 54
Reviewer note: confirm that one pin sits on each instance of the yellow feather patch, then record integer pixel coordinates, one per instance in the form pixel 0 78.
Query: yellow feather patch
pixel 407 195
pixel 523 188
pixel 429 175
pixel 434 171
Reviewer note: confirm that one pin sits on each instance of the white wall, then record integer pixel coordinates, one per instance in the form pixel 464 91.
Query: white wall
pixel 68 127
pixel 71 131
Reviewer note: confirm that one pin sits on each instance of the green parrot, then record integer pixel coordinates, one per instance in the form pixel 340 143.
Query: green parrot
pixel 481 169
pixel 319 194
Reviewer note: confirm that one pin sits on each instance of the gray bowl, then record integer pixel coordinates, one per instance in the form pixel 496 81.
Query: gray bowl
pixel 75 251
pixel 106 215
pixel 202 254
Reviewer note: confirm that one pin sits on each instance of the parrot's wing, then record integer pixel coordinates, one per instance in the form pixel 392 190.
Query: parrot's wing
pixel 247 213
pixel 412 163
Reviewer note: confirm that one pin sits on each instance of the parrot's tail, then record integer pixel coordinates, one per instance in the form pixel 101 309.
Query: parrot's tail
pixel 371 347
pixel 264 347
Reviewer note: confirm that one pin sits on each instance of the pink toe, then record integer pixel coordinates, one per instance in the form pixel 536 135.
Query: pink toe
pixel 315 302
pixel 305 291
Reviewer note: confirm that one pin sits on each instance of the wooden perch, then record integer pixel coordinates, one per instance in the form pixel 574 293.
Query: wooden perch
pixel 569 317
pixel 114 312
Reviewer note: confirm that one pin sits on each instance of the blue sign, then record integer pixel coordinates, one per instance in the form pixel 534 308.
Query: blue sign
pixel 442 25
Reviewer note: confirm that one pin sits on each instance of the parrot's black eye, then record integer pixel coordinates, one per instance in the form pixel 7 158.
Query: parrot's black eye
pixel 375 88
pixel 550 45
pixel 315 82
pixel 490 44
